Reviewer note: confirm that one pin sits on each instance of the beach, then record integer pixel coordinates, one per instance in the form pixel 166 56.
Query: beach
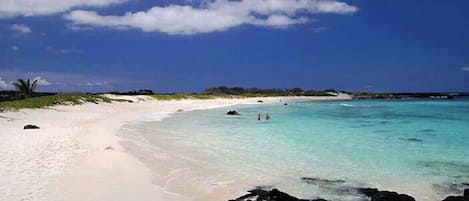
pixel 76 154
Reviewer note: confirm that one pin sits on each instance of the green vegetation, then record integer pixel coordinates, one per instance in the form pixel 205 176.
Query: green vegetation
pixel 26 98
pixel 60 99
pixel 256 92
pixel 25 87
pixel 180 96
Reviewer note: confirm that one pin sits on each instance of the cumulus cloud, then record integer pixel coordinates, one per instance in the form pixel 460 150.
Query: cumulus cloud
pixel 96 84
pixel 42 82
pixel 465 68
pixel 214 15
pixel 14 48
pixel 4 85
pixel 20 29
pixel 12 8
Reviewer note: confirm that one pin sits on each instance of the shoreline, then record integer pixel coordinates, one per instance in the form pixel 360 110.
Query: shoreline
pixel 69 157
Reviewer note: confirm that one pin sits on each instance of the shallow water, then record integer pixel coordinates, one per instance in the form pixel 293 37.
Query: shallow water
pixel 418 147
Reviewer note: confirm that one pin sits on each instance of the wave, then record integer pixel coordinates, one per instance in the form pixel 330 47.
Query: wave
pixel 350 105
pixel 157 116
pixel 347 105
pixel 211 107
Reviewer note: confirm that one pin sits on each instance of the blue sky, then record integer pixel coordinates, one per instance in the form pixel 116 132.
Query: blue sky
pixel 183 45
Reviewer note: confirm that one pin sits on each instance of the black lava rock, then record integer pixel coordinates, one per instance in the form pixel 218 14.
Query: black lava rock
pixel 377 195
pixel 391 196
pixel 464 197
pixel 233 112
pixel 454 198
pixel 368 192
pixel 29 126
pixel 272 195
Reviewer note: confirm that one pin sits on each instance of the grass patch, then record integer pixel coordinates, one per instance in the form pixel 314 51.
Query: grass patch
pixel 60 99
pixel 181 96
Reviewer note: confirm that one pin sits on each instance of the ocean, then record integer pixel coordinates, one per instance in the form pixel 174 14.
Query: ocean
pixel 309 149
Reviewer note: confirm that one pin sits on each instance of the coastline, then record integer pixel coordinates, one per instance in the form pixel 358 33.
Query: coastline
pixel 69 159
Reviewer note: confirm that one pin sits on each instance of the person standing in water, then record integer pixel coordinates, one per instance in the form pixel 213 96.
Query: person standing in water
pixel 258 116
pixel 267 116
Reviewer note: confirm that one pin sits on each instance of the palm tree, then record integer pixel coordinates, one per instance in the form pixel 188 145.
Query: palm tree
pixel 25 87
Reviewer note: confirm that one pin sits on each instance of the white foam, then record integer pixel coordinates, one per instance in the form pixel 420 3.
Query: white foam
pixel 152 117
pixel 347 105
pixel 211 107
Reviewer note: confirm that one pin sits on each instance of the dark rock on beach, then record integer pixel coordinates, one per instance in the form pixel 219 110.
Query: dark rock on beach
pixel 368 192
pixel 272 195
pixel 233 112
pixel 260 101
pixel 29 126
pixel 109 148
pixel 377 195
pixel 464 197
pixel 262 194
pixel 454 198
pixel 391 196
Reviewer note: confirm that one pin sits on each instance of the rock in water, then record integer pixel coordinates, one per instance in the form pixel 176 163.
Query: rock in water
pixel 319 181
pixel 29 126
pixel 233 112
pixel 368 192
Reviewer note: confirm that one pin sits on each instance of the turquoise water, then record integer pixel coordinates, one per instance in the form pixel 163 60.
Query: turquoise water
pixel 419 147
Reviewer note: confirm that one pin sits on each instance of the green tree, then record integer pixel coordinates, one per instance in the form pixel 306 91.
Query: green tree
pixel 25 87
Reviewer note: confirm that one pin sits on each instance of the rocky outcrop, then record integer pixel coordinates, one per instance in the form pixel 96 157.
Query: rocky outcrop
pixel 377 195
pixel 464 197
pixel 30 126
pixel 233 112
pixel 272 195
pixel 260 194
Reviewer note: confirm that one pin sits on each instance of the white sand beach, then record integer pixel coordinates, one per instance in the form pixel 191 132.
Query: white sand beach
pixel 67 159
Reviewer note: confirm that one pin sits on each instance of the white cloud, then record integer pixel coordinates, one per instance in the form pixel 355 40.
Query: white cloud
pixel 12 8
pixel 20 29
pixel 41 81
pixel 465 68
pixel 96 84
pixel 14 48
pixel 4 85
pixel 215 15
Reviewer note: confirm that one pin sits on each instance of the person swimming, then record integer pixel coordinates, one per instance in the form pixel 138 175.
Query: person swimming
pixel 267 116
pixel 259 117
